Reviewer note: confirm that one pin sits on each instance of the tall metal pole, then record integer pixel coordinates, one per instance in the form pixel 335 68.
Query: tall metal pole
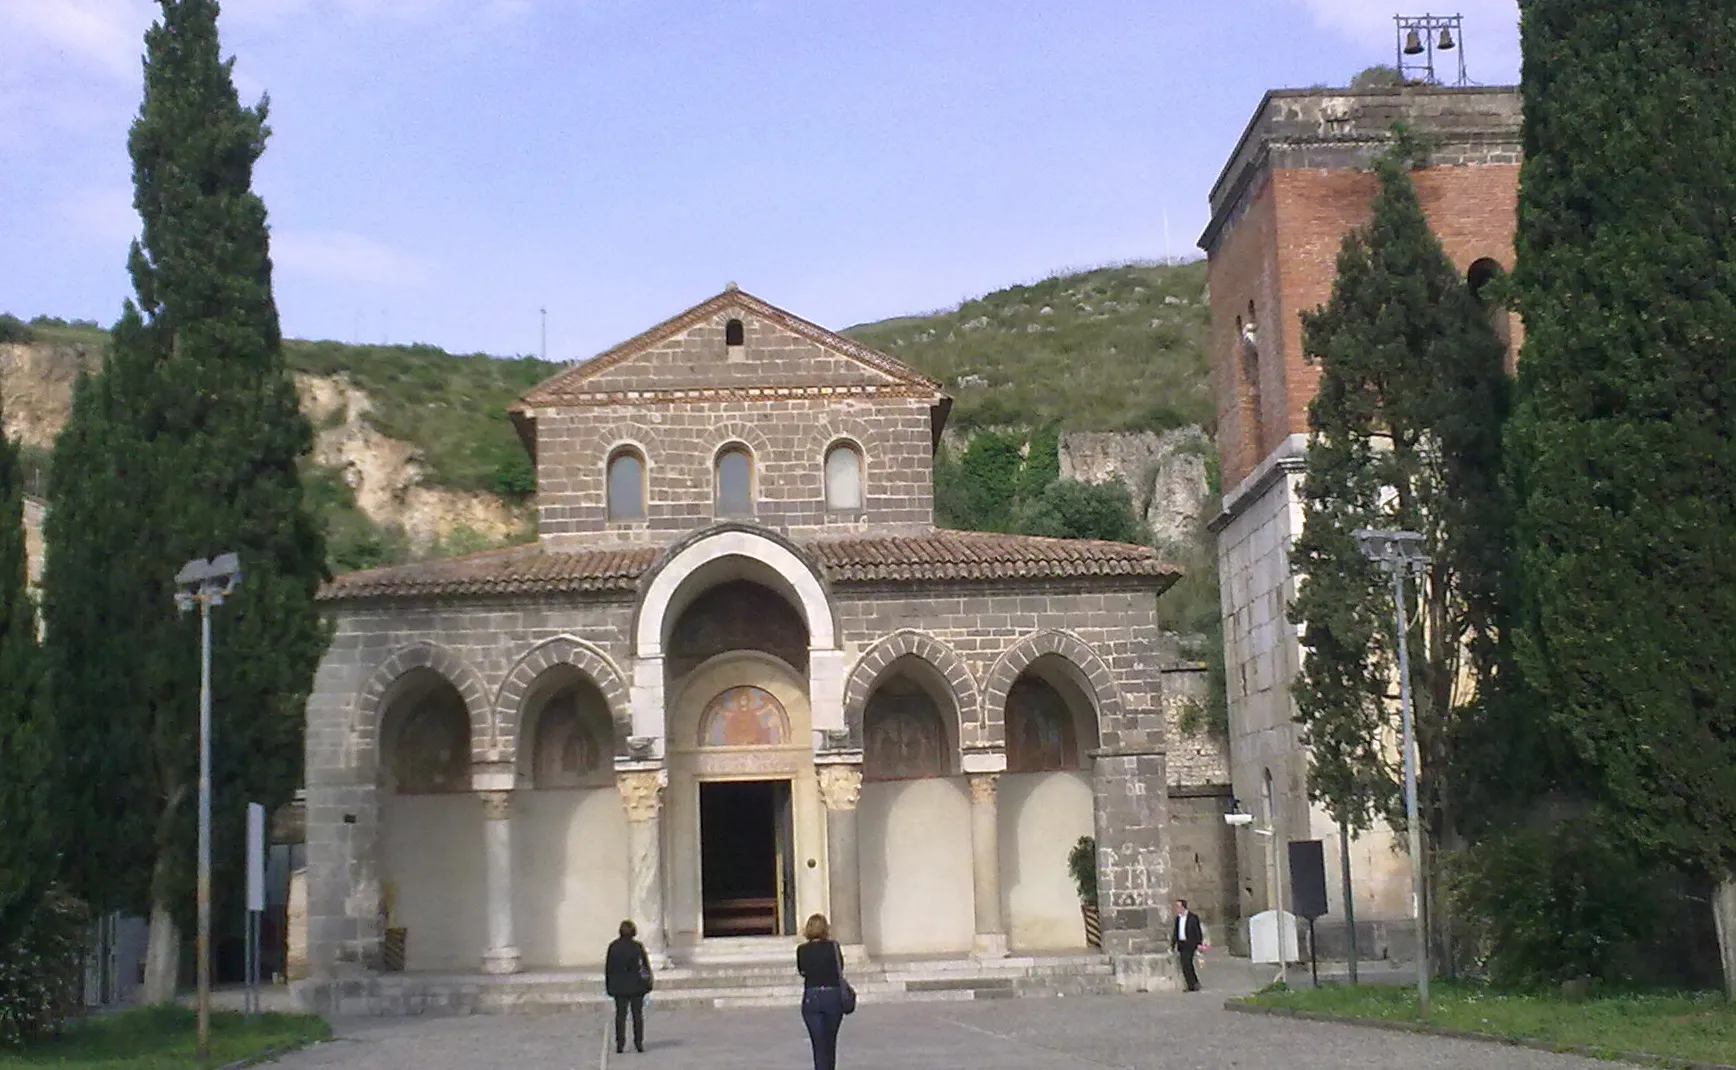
pixel 1349 895
pixel 204 940
pixel 1284 928
pixel 1410 784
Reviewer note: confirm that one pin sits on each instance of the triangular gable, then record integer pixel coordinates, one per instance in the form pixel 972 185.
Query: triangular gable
pixel 612 373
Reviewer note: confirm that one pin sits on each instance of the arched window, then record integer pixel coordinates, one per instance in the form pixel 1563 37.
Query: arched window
pixel 1481 274
pixel 843 477
pixel 626 486
pixel 734 482
pixel 733 333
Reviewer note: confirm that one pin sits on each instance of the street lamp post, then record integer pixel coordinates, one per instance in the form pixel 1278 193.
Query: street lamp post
pixel 1399 553
pixel 205 583
pixel 1237 818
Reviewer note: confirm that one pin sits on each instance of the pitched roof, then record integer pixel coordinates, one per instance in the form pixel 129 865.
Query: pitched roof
pixel 571 385
pixel 940 556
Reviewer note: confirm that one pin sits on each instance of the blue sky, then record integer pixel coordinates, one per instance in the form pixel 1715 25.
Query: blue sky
pixel 441 169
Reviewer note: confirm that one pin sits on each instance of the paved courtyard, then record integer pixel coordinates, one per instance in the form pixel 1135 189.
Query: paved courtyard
pixel 1162 1032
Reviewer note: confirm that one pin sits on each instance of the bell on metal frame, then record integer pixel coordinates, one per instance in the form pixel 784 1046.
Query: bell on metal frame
pixel 1446 41
pixel 1413 44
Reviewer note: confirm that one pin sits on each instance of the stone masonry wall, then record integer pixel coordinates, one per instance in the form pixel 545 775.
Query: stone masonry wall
pixel 698 357
pixel 342 800
pixel 479 643
pixel 1121 627
pixel 787 438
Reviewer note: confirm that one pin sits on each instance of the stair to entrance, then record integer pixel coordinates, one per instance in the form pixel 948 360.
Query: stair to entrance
pixel 753 980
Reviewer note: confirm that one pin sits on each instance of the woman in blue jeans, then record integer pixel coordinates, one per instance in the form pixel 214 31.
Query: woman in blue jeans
pixel 821 966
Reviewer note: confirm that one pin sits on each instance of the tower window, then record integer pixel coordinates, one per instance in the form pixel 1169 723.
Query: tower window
pixel 626 486
pixel 734 482
pixel 733 333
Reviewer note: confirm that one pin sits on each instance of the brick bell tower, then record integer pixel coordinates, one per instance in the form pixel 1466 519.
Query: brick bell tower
pixel 1298 179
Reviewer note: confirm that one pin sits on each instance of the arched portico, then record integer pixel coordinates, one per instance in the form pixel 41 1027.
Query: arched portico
pixel 717 555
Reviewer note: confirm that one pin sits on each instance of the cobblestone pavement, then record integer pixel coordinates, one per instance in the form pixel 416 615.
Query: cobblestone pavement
pixel 1159 1032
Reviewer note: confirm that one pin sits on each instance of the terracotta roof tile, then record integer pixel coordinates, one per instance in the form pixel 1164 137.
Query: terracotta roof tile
pixel 939 556
pixel 516 570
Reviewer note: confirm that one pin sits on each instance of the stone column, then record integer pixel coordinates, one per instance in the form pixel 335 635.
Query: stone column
pixel 502 953
pixel 841 788
pixel 642 793
pixel 985 851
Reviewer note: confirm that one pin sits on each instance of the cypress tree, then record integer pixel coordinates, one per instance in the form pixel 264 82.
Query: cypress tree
pixel 1624 434
pixel 1405 433
pixel 27 796
pixel 185 445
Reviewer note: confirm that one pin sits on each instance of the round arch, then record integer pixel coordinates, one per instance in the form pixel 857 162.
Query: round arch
pixel 1094 679
pixel 797 578
pixel 513 698
pixel 384 684
pixel 871 666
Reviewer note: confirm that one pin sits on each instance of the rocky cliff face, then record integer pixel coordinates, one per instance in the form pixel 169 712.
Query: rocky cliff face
pixel 385 475
pixel 1166 475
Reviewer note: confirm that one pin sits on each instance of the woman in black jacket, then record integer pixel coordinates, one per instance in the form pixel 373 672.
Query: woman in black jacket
pixel 821 965
pixel 627 977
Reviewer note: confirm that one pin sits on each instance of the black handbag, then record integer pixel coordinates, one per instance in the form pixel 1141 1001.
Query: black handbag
pixel 846 994
pixel 645 969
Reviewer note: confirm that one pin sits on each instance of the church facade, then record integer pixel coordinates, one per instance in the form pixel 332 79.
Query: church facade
pixel 739 678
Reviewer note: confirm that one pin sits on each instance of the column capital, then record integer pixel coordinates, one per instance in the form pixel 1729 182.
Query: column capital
pixel 982 787
pixel 496 805
pixel 841 786
pixel 642 792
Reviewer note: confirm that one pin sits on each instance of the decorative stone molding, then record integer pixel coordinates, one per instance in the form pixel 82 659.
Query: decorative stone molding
pixel 840 786
pixel 1094 675
pixel 496 805
pixel 378 694
pixel 937 654
pixel 509 704
pixel 642 792
pixel 982 788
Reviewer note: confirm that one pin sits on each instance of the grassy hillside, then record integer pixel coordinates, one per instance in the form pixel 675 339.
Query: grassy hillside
pixel 1114 349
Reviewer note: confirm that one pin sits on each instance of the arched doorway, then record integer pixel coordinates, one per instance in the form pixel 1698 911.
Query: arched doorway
pixel 914 816
pixel 743 822
pixel 433 883
pixel 1045 803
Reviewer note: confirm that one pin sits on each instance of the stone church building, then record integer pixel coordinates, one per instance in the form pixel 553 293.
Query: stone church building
pixel 1296 182
pixel 739 678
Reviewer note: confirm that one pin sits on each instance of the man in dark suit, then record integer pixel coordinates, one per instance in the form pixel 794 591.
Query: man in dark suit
pixel 1186 936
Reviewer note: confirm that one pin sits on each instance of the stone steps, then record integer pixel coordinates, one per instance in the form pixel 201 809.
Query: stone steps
pixel 709 986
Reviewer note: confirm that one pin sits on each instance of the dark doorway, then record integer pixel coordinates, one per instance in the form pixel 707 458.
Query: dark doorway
pixel 747 869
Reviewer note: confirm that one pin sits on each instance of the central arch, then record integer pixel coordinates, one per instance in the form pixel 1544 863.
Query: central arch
pixel 698 564
pixel 775 561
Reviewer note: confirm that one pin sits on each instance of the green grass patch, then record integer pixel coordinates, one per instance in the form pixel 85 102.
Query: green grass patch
pixel 1698 1027
pixel 163 1038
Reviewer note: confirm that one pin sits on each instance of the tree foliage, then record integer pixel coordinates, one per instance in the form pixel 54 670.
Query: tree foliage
pixel 185 445
pixel 1009 481
pixel 27 783
pixel 1623 442
pixel 1405 434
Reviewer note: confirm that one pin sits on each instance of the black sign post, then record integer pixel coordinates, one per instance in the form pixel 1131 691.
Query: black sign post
pixel 1308 892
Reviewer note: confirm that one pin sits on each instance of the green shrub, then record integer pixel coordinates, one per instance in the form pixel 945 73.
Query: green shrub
pixel 15 330
pixel 1082 864
pixel 1070 509
pixel 1546 904
pixel 41 970
pixel 514 478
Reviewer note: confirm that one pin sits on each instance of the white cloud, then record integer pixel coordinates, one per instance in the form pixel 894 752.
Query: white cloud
pixel 338 255
pixel 1491 30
